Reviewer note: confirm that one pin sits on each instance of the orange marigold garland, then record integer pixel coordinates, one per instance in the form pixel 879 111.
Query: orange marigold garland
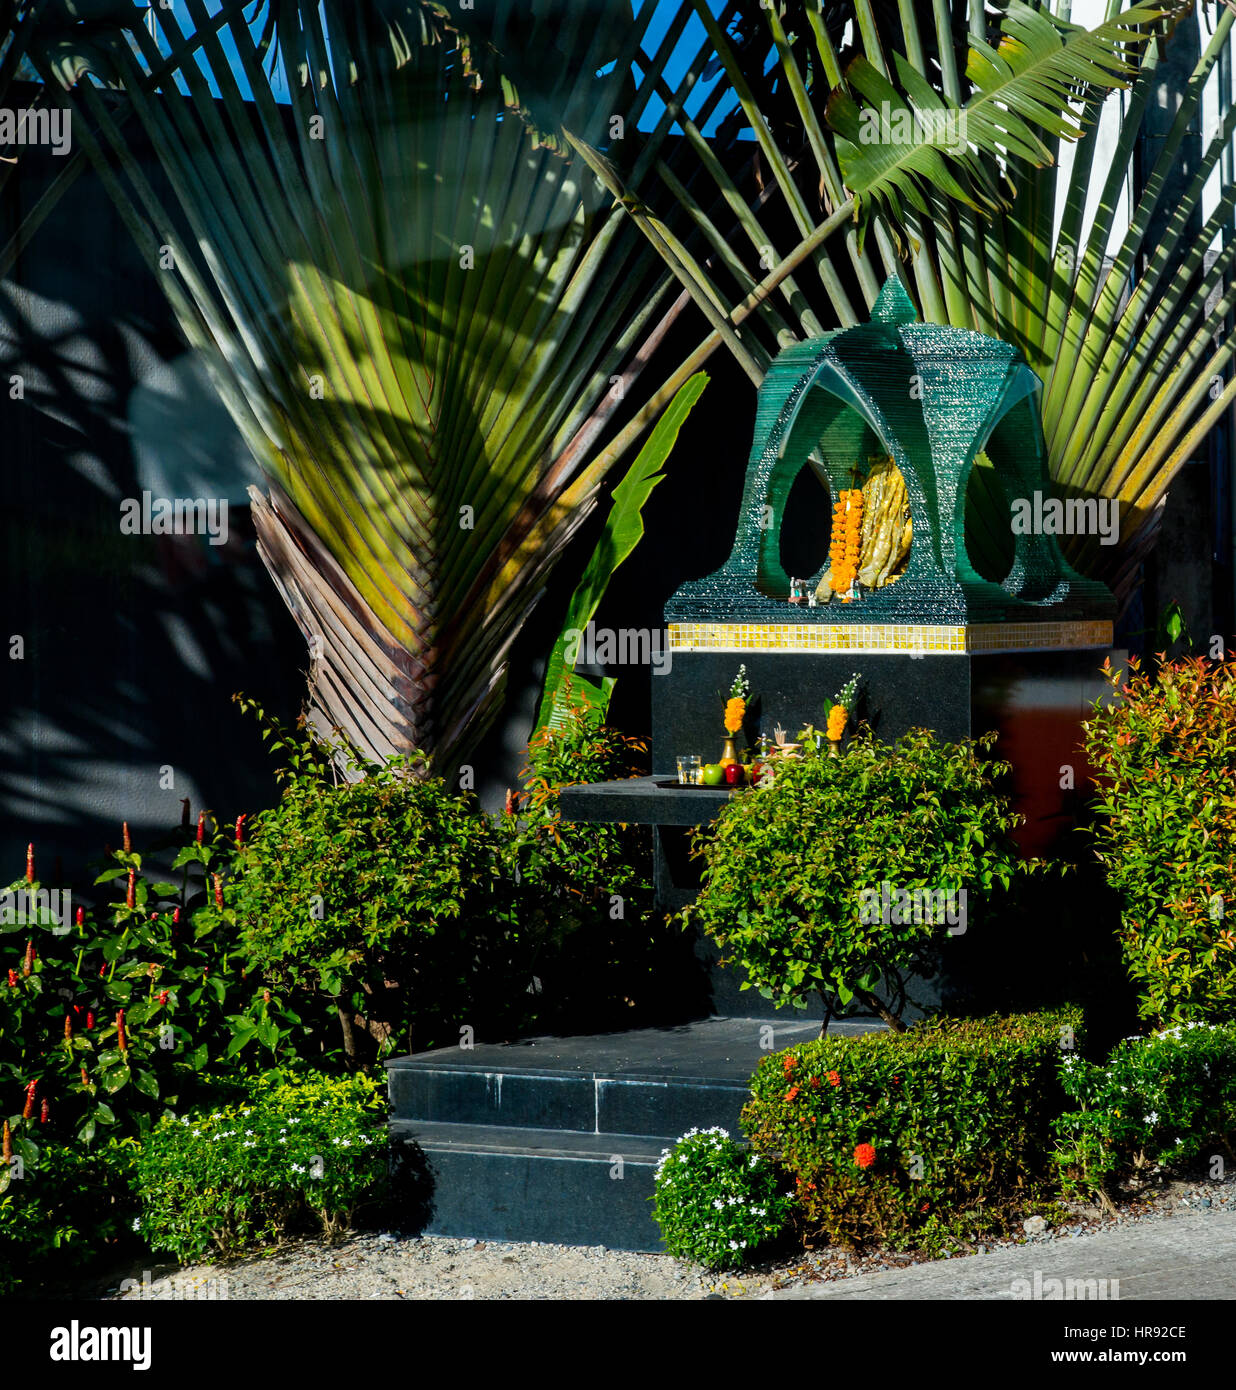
pixel 846 540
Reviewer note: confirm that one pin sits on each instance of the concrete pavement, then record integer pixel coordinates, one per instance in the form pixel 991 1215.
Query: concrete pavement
pixel 1190 1256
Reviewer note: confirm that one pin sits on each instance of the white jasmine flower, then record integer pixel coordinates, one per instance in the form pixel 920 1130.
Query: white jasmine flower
pixel 137 1224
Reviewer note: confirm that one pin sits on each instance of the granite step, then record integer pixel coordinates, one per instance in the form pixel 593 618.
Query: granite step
pixel 649 1081
pixel 504 1183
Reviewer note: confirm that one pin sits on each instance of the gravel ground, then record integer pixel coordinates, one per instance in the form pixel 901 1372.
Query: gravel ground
pixel 389 1266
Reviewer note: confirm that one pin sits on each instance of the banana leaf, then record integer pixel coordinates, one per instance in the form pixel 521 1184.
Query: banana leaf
pixel 624 528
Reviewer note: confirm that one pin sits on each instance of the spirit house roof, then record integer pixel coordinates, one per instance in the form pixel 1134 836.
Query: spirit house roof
pixel 931 398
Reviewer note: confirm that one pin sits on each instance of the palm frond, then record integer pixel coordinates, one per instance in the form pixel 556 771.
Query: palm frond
pixel 414 300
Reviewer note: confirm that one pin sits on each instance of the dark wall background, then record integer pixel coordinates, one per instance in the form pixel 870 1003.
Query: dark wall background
pixel 133 644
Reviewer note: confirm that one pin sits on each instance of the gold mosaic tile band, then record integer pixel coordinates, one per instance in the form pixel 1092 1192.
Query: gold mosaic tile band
pixel 887 637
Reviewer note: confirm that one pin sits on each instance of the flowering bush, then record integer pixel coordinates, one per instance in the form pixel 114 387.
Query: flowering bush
pixel 1163 756
pixel 936 1135
pixel 108 1018
pixel 716 1202
pixel 1156 1102
pixel 298 1154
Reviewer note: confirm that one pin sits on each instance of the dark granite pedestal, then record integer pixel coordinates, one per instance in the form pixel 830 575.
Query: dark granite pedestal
pixel 1035 700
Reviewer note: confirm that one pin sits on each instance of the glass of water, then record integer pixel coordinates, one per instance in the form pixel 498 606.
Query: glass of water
pixel 690 771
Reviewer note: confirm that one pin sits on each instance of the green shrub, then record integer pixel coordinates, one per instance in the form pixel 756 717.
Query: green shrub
pixel 384 893
pixel 588 887
pixel 1166 835
pixel 67 1207
pixel 299 1154
pixel 578 865
pixel 794 869
pixel 917 1139
pixel 716 1202
pixel 1156 1102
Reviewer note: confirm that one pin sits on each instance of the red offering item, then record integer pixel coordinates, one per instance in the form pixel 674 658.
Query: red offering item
pixel 735 775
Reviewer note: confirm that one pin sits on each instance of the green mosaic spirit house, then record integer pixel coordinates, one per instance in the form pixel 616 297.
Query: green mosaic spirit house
pixel 933 399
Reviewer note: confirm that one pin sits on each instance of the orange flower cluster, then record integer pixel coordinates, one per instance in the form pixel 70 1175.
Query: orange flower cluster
pixel 847 531
pixel 837 717
pixel 864 1155
pixel 735 711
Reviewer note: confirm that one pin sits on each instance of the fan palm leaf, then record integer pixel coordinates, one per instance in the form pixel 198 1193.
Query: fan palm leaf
pixel 418 306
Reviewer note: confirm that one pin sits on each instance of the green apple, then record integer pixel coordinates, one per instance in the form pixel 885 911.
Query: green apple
pixel 714 775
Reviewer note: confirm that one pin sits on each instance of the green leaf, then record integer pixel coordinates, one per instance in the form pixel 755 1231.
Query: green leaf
pixel 624 528
pixel 116 1079
pixel 241 1038
pixel 146 1083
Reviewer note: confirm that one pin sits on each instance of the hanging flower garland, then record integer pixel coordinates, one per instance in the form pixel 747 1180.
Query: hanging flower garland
pixel 846 541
